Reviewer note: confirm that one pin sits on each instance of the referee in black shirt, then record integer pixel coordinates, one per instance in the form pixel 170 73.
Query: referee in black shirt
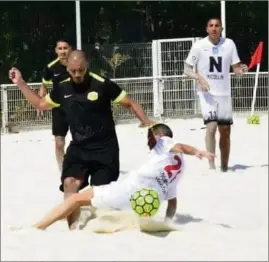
pixel 86 99
pixel 54 73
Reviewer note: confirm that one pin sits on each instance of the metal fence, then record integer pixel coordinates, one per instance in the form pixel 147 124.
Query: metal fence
pixel 121 60
pixel 174 96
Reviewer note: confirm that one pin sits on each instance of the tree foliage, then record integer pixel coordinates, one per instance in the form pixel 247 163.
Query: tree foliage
pixel 29 29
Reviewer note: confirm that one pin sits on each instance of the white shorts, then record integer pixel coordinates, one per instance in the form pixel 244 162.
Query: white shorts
pixel 108 196
pixel 216 108
pixel 117 194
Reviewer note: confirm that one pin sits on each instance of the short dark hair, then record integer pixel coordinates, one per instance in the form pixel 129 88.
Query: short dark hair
pixel 65 40
pixel 162 128
pixel 214 18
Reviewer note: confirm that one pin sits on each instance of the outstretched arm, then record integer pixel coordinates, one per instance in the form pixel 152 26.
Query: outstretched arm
pixel 38 102
pixel 190 150
pixel 119 96
pixel 137 110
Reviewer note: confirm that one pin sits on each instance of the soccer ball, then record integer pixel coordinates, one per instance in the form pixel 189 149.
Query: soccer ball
pixel 145 202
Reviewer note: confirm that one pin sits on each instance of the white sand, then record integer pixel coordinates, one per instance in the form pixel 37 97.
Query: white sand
pixel 223 216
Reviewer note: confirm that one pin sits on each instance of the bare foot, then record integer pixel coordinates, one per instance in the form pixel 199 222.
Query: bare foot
pixel 212 165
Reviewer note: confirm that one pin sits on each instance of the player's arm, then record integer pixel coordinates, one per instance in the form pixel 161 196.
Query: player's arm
pixel 237 66
pixel 240 69
pixel 119 96
pixel 46 80
pixel 171 209
pixel 190 150
pixel 40 103
pixel 189 65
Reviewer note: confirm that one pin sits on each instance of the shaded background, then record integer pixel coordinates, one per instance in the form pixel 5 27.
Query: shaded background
pixel 29 31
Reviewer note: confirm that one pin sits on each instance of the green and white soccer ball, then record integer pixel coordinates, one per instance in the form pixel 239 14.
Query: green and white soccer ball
pixel 145 202
pixel 254 119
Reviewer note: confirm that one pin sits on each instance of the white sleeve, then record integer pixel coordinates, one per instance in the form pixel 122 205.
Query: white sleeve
pixel 235 57
pixel 164 145
pixel 193 55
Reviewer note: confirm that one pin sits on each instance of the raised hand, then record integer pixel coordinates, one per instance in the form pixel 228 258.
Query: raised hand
pixel 15 75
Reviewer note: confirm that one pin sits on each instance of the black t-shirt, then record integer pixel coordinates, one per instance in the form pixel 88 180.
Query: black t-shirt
pixel 88 109
pixel 54 73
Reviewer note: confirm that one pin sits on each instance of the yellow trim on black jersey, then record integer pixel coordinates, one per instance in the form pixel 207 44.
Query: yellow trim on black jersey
pixel 97 77
pixel 120 97
pixel 50 102
pixel 44 82
pixel 66 80
pixel 53 62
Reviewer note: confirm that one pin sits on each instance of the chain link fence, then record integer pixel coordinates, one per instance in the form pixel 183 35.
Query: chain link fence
pixel 176 98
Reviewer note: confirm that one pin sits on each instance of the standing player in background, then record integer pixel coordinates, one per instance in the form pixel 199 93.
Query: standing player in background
pixel 54 73
pixel 86 99
pixel 212 58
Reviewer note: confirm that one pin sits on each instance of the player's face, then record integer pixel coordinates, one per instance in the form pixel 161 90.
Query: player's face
pixel 77 70
pixel 152 139
pixel 214 28
pixel 62 50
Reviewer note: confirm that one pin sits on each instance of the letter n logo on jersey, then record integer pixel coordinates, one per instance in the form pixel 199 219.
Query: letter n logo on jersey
pixel 215 64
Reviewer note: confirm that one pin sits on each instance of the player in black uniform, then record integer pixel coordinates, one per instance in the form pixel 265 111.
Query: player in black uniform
pixel 86 99
pixel 56 72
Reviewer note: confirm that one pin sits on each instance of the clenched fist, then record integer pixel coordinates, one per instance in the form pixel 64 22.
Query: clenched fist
pixel 15 75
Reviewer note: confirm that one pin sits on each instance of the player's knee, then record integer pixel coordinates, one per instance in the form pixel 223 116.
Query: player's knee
pixel 224 130
pixel 71 184
pixel 211 128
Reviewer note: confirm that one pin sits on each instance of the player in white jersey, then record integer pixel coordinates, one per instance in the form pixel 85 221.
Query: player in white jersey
pixel 212 57
pixel 161 172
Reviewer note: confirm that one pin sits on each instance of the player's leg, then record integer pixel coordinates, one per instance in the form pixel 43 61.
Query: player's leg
pixel 59 150
pixel 59 130
pixel 105 169
pixel 209 113
pixel 111 192
pixel 225 121
pixel 74 174
pixel 67 207
pixel 224 145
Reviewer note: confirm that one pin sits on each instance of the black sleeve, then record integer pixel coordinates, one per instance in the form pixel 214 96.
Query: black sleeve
pixel 47 76
pixel 116 94
pixel 54 97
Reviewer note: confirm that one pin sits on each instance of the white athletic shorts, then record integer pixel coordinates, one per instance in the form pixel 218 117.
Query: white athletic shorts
pixel 108 196
pixel 216 108
pixel 117 194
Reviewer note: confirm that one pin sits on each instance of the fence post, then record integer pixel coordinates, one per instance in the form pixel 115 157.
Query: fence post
pixel 197 109
pixel 160 74
pixel 155 81
pixel 4 108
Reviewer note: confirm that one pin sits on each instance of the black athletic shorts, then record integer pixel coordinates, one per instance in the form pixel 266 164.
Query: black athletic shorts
pixel 59 122
pixel 101 166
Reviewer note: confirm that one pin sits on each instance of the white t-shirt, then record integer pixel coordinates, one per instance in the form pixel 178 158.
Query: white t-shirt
pixel 161 171
pixel 213 62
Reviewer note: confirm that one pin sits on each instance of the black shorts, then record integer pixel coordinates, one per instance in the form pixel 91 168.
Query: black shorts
pixel 59 122
pixel 101 166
